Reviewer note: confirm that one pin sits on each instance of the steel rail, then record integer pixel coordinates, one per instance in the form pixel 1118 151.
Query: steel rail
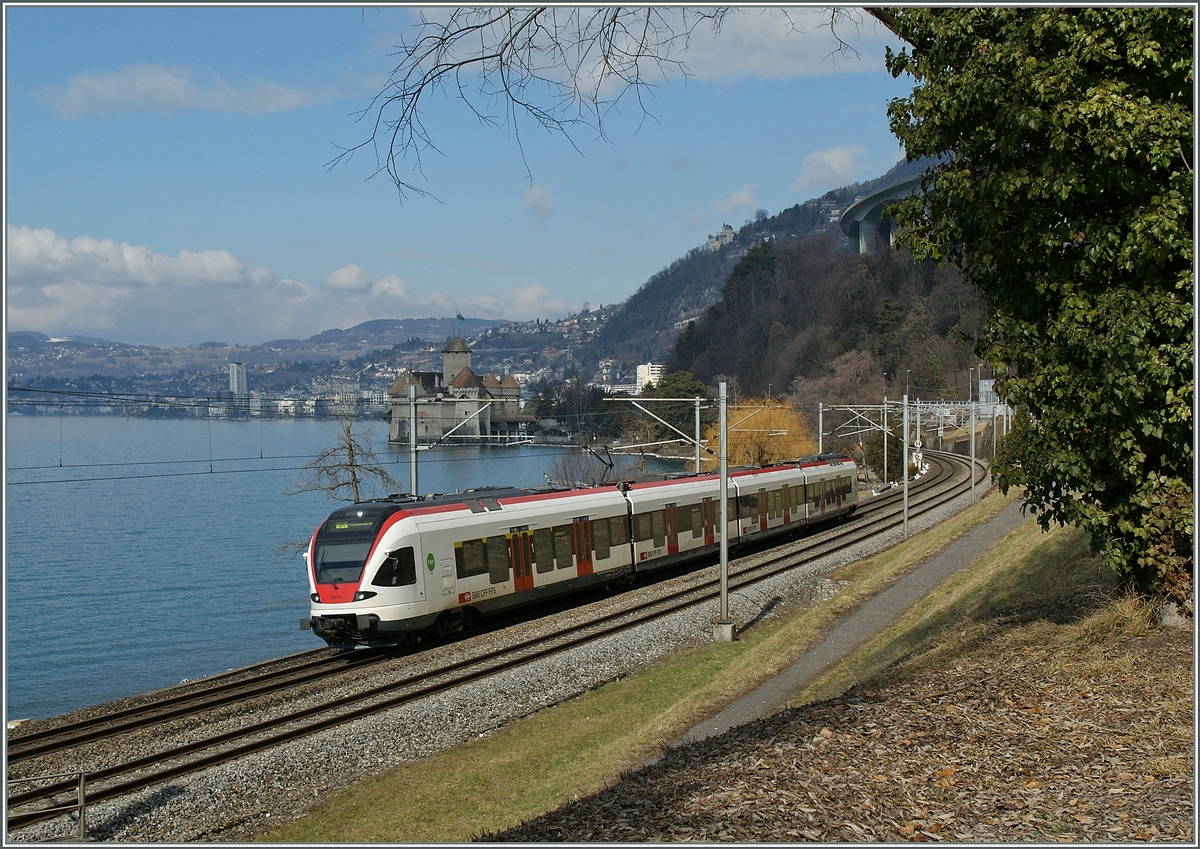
pixel 171 706
pixel 181 704
pixel 632 617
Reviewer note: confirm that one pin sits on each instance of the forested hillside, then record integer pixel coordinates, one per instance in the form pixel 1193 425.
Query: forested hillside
pixel 644 330
pixel 814 319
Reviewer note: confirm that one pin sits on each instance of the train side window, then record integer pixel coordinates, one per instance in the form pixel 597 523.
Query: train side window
pixel 683 519
pixel 470 557
pixel 697 522
pixel 641 527
pixel 774 502
pixel 543 549
pixel 600 538
pixel 398 570
pixel 564 546
pixel 658 525
pixel 497 559
pixel 618 528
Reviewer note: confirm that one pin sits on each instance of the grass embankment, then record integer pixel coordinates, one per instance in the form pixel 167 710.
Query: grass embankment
pixel 575 748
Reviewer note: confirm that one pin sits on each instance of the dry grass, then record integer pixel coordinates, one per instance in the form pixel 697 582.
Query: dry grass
pixel 1067 717
pixel 1034 600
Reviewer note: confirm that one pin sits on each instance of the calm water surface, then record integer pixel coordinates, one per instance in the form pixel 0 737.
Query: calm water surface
pixel 139 553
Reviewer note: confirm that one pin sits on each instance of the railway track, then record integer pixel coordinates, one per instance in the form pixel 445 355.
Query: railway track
pixel 945 481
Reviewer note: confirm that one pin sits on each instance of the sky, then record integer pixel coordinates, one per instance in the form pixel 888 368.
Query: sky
pixel 167 180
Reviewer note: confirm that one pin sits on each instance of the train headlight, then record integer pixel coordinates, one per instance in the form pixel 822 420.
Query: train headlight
pixel 363 595
pixel 315 597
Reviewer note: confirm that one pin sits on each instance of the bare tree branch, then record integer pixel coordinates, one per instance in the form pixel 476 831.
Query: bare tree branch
pixel 347 470
pixel 885 17
pixel 565 69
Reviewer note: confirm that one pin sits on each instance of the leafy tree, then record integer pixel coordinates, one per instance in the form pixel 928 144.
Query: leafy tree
pixel 682 414
pixel 873 451
pixel 1064 191
pixel 752 281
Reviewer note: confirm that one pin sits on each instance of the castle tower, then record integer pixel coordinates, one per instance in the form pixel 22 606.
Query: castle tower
pixel 456 356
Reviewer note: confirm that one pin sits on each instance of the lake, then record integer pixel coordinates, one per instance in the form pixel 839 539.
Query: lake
pixel 141 552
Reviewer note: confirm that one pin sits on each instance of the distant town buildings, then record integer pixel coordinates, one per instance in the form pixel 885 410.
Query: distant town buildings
pixel 456 403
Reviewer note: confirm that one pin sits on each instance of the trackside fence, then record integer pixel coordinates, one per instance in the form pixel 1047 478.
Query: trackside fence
pixel 80 805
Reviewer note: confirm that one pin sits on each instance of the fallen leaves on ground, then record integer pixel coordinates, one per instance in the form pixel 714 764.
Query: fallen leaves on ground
pixel 1028 732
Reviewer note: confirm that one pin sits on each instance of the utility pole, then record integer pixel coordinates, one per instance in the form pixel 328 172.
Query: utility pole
pixel 820 427
pixel 885 477
pixel 412 439
pixel 905 467
pixel 697 445
pixel 971 404
pixel 917 441
pixel 723 628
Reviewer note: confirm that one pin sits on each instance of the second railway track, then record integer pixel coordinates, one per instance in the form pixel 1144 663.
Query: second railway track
pixel 946 480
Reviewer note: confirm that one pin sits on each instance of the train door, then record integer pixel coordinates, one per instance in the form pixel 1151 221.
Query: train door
pixel 672 523
pixel 785 496
pixel 581 535
pixel 521 550
pixel 762 509
pixel 708 518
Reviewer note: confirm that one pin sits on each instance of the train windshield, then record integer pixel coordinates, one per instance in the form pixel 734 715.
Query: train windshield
pixel 344 542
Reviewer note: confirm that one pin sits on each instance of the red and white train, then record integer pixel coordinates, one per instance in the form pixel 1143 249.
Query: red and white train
pixel 382 571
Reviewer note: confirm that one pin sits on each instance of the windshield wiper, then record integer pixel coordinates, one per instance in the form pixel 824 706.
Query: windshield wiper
pixel 321 565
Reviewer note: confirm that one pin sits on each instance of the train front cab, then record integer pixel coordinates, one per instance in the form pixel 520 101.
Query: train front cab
pixel 365 586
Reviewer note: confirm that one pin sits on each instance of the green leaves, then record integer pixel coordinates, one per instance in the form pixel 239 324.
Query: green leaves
pixel 1067 200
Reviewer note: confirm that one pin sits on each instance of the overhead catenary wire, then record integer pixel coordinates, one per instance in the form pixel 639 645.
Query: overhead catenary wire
pixel 211 471
pixel 87 400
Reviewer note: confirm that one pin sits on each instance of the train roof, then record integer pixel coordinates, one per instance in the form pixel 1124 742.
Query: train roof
pixel 486 498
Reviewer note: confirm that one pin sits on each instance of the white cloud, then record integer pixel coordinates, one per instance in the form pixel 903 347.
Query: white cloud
pixel 174 88
pixel 538 202
pixel 38 253
pixel 129 293
pixel 785 44
pixel 351 277
pixel 743 199
pixel 833 166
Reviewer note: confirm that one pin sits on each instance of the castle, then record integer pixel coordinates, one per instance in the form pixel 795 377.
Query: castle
pixel 456 403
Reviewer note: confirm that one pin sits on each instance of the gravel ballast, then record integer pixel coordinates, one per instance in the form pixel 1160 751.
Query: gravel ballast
pixel 238 800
